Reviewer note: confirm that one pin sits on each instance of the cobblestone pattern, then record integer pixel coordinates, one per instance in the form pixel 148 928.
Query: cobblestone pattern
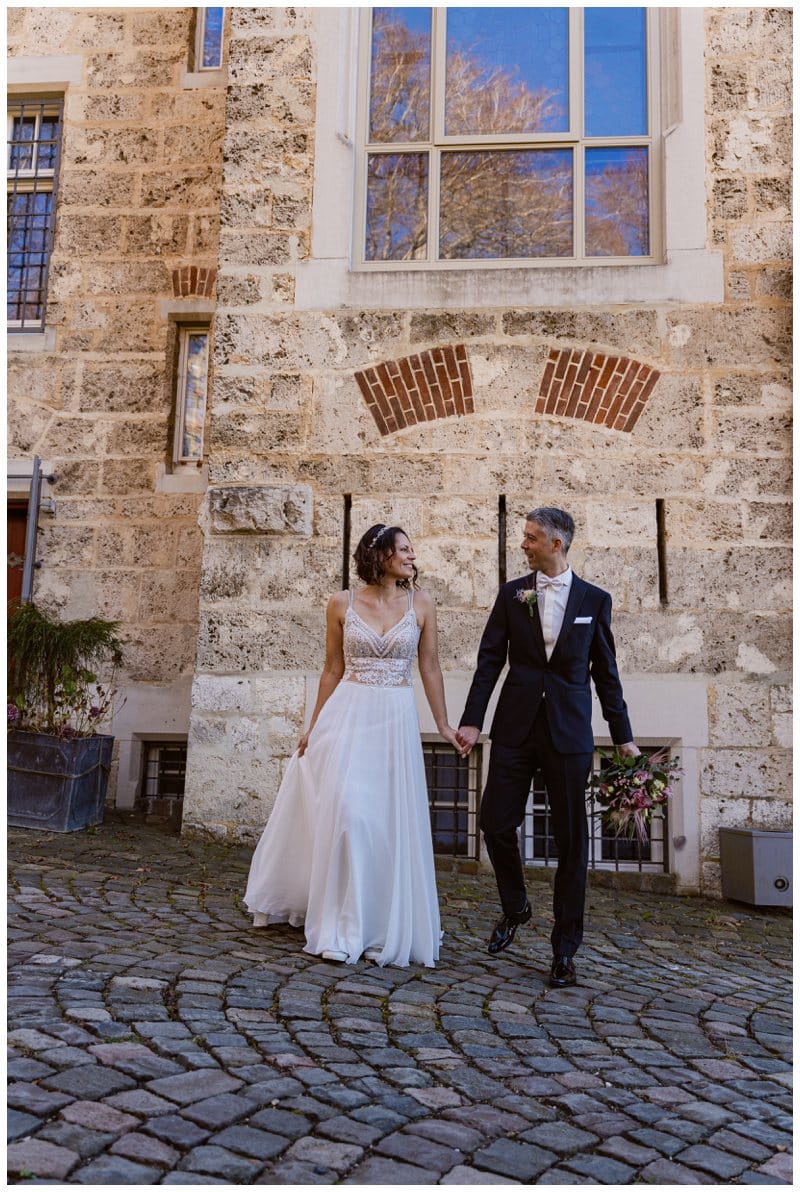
pixel 155 1037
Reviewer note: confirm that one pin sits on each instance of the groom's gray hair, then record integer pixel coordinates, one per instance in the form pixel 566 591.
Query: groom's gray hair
pixel 557 522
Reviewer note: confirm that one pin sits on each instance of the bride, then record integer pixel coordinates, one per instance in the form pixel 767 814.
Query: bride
pixel 347 851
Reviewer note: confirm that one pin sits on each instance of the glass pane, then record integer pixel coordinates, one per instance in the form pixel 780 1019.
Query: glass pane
pixel 212 37
pixel 195 397
pixel 23 131
pixel 507 70
pixel 615 72
pixel 397 207
pixel 48 142
pixel 400 75
pixel 506 203
pixel 617 215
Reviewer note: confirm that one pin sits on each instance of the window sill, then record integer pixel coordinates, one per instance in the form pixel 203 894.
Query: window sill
pixel 32 341
pixel 192 80
pixel 693 275
pixel 184 478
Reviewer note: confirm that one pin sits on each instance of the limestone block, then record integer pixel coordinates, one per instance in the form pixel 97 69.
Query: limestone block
pixel 103 109
pixel 763 32
pixel 405 474
pixel 129 387
pixel 261 570
pixel 738 714
pixel 774 283
pixel 95 188
pixel 69 437
pixel 275 341
pixel 727 338
pixel 772 520
pixel 631 332
pixel 255 22
pixel 460 632
pixel 252 59
pixel 772 196
pixel 96 30
pixel 195 141
pixel 365 337
pixel 157 235
pixel 156 67
pixel 42 30
pixel 286 392
pixel 128 476
pixel 76 476
pixel 290 212
pixel 263 509
pixel 138 437
pixel 240 468
pixel 137 546
pixel 716 813
pixel 171 107
pixel 783 729
pixel 249 207
pixel 629 574
pixel 280 695
pixel 735 432
pixel 234 290
pixel 699 522
pixel 207 731
pixel 390 509
pixel 773 815
pixel 620 522
pixel 607 470
pixel 750 478
pixel 277 101
pixel 341 419
pixel 729 198
pixel 335 473
pixel 689 642
pixel 749 389
pixel 267 154
pixel 770 85
pixel 189 546
pixel 112 146
pixel 711 580
pixel 750 144
pixel 673 417
pixel 469 434
pixel 459 517
pixel 507 376
pixel 159 653
pixel 328 523
pixel 85 236
pixel 261 432
pixel 746 773
pixel 780 696
pixel 728 86
pixel 189 188
pixel 69 546
pixel 436 327
pixel 759 243
pixel 36 381
pixel 160 26
pixel 169 596
pixel 287 637
pixel 457 576
pixel 738 286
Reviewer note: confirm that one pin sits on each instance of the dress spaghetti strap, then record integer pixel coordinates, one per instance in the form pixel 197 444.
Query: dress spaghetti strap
pixel 410 599
pixel 350 598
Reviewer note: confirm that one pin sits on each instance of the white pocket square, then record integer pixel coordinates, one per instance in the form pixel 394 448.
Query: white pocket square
pixel 583 621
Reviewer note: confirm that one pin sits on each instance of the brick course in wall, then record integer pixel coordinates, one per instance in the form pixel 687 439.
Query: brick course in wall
pixel 609 391
pixel 420 388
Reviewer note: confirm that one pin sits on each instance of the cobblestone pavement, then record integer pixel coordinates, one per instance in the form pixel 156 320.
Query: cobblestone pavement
pixel 157 1038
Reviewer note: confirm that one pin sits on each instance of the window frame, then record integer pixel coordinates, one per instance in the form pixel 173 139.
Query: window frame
pixel 184 332
pixel 200 36
pixel 34 181
pixel 571 140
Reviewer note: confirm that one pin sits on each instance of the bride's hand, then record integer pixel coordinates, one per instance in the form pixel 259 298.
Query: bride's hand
pixel 302 744
pixel 450 735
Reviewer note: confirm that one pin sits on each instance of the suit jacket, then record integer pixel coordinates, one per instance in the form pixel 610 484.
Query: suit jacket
pixel 584 651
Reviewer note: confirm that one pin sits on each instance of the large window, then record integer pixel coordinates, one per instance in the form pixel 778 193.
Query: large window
pixel 34 143
pixel 507 134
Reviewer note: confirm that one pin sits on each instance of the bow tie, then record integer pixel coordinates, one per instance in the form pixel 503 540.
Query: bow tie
pixel 543 582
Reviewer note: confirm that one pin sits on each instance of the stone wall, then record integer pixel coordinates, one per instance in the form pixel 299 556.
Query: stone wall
pixel 290 422
pixel 138 199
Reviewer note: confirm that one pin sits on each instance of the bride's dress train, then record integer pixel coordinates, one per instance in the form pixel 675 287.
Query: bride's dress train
pixel 347 851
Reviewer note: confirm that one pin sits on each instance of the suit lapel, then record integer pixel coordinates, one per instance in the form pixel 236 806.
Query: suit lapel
pixel 577 591
pixel 535 621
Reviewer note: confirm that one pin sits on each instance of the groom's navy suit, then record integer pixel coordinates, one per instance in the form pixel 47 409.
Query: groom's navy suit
pixel 544 721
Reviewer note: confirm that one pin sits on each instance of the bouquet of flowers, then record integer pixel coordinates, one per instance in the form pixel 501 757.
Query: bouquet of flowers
pixel 630 788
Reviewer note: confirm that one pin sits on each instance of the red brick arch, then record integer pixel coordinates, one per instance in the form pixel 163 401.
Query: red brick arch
pixel 433 384
pixel 609 391
pixel 193 281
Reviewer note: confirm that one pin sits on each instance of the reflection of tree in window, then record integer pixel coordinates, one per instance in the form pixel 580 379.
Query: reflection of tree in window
pixel 617 222
pixel 195 405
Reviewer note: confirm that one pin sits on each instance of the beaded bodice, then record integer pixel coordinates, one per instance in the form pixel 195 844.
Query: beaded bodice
pixel 380 659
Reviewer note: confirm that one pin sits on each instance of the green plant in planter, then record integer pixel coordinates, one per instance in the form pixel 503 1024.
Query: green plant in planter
pixel 53 684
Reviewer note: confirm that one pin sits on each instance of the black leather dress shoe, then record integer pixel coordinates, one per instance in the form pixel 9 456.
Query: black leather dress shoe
pixel 506 928
pixel 562 972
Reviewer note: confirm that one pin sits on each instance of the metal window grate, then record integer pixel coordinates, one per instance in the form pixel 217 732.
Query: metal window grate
pixel 606 849
pixel 34 147
pixel 163 778
pixel 453 799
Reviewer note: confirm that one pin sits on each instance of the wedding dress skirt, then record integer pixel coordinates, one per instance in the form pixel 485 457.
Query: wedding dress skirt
pixel 347 850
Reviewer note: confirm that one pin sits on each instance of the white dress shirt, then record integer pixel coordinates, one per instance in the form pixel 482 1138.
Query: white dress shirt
pixel 552 604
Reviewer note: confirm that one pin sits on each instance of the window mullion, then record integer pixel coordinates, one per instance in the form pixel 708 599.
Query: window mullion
pixel 437 114
pixel 576 72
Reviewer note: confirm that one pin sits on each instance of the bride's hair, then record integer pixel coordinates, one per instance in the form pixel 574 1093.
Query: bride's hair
pixel 375 547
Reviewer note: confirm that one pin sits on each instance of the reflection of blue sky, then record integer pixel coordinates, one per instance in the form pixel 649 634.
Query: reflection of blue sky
pixel 616 72
pixel 529 43
pixel 212 36
pixel 416 20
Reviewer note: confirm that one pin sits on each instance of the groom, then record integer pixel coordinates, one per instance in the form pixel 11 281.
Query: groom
pixel 554 630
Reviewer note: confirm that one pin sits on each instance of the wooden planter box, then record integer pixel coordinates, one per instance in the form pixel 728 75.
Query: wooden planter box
pixel 57 785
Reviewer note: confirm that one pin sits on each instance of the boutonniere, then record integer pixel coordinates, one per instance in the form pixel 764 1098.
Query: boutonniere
pixel 528 597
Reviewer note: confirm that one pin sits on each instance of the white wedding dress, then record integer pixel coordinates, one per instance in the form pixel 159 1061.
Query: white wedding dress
pixel 347 851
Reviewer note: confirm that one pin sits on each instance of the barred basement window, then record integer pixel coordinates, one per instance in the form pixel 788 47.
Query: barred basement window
pixel 508 134
pixel 192 393
pixel 34 149
pixel 208 46
pixel 606 849
pixel 453 799
pixel 164 777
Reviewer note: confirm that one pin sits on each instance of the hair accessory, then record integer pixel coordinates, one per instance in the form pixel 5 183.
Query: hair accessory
pixel 377 538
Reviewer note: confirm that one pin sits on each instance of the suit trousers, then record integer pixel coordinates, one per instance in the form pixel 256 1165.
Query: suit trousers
pixel 511 770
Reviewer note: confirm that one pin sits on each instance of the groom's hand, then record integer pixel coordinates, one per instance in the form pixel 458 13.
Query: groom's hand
pixel 467 736
pixel 629 749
